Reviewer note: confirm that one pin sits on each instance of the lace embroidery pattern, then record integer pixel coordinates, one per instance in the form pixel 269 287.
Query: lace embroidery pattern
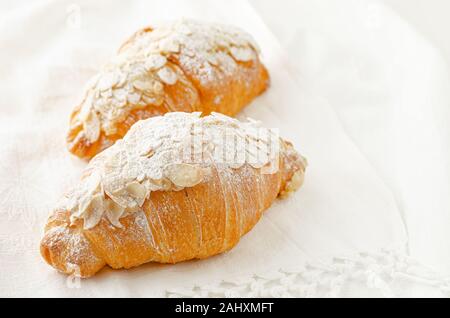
pixel 379 273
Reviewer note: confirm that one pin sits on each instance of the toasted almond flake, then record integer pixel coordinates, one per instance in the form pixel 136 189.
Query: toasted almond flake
pixel 120 94
pixel 114 212
pixel 155 61
pixel 118 103
pixel 160 184
pixel 147 100
pixel 107 80
pixel 86 107
pixel 123 198
pixel 167 76
pixel 158 88
pixel 212 59
pixel 243 54
pixel 137 191
pixel 107 93
pixel 169 45
pixel 121 81
pixel 91 127
pixel 134 98
pixel 159 33
pixel 144 84
pixel 93 212
pixel 183 175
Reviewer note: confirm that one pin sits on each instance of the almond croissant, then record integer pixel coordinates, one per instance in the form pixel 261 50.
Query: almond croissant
pixel 183 66
pixel 177 187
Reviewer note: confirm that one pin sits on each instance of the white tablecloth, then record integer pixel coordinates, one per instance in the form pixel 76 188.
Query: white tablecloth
pixel 355 89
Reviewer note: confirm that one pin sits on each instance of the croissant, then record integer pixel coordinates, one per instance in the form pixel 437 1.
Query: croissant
pixel 182 66
pixel 177 187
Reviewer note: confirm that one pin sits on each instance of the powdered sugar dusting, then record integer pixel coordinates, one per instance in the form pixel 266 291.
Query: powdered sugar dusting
pixel 167 153
pixel 76 248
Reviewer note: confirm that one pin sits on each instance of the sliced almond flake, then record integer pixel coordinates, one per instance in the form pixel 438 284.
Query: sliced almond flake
pixel 114 212
pixel 155 61
pixel 137 191
pixel 107 80
pixel 107 93
pixel 183 175
pixel 144 84
pixel 167 76
pixel 86 106
pixel 152 100
pixel 134 97
pixel 123 199
pixel 120 95
pixel 137 70
pixel 170 45
pixel 243 54
pixel 122 80
pixel 118 103
pixel 158 88
pixel 101 106
pixel 91 127
pixel 212 59
pixel 159 33
pixel 94 211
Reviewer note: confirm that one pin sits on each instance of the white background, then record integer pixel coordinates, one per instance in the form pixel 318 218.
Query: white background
pixel 421 124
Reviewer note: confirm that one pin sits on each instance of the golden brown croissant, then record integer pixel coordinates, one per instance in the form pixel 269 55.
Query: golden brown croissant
pixel 183 66
pixel 177 187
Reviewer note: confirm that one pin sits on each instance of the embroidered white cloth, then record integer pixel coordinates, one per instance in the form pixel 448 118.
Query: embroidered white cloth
pixel 342 234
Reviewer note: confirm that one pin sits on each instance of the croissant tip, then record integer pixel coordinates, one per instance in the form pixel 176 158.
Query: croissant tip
pixel 57 250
